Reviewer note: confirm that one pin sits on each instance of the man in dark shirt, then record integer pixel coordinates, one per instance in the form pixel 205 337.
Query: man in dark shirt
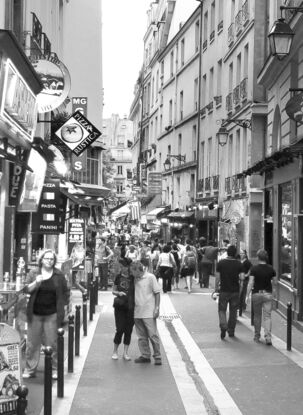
pixel 230 273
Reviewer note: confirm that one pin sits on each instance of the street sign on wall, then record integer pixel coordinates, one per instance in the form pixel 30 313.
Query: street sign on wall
pixel 154 183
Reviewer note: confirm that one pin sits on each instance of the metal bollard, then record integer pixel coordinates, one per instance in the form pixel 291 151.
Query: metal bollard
pixel 96 290
pixel 22 392
pixel 84 308
pixel 289 325
pixel 60 346
pixel 77 331
pixel 48 351
pixel 70 359
pixel 91 301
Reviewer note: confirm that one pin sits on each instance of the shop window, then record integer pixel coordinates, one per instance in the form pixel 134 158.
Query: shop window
pixel 286 198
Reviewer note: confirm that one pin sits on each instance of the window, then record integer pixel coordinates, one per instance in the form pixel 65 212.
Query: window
pixel 238 74
pixel 170 113
pixel 230 156
pixel 153 91
pixel 285 225
pixel 205 30
pixel 196 93
pixel 244 149
pixel 119 187
pixel 212 20
pixel 202 160
pixel 157 85
pixel 90 173
pixel 203 94
pixel 182 51
pixel 245 64
pixel 237 151
pixel 181 105
pixel 197 35
pixel 230 77
pixel 172 63
pixel 194 141
pixel 120 169
pixel 209 156
pixel 219 78
pixel 179 145
pixel 211 84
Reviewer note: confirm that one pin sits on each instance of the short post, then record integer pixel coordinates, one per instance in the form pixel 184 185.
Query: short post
pixel 48 351
pixel 84 308
pixel 60 345
pixel 77 331
pixel 22 392
pixel 289 325
pixel 91 301
pixel 70 358
pixel 96 290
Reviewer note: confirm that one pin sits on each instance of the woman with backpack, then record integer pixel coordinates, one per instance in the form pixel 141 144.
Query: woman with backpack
pixel 166 266
pixel 188 267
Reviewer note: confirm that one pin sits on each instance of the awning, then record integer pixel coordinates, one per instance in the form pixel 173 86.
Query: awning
pixel 153 214
pixel 182 214
pixel 112 210
pixel 84 195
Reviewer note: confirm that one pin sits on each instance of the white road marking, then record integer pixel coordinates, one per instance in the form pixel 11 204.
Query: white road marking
pixel 215 387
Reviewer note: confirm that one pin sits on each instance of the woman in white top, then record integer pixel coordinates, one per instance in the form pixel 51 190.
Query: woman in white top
pixel 166 266
pixel 132 253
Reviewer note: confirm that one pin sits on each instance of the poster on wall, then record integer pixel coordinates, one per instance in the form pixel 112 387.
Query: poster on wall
pixel 76 242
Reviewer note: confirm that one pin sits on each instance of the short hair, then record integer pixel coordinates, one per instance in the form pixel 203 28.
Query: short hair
pixel 42 255
pixel 103 239
pixel 231 251
pixel 166 248
pixel 226 241
pixel 144 261
pixel 262 255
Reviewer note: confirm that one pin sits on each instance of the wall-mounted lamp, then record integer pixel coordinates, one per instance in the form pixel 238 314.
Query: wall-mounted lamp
pixel 222 134
pixel 281 35
pixel 167 163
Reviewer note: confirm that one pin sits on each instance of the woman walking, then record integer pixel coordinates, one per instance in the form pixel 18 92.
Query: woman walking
pixel 45 310
pixel 123 290
pixel 246 269
pixel 188 267
pixel 166 266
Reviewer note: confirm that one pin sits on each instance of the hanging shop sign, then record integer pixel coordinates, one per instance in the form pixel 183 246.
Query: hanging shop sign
pixel 79 163
pixel 55 79
pixel 78 133
pixel 294 108
pixel 154 183
pixel 18 104
pixel 47 220
pixel 16 174
pixel 79 104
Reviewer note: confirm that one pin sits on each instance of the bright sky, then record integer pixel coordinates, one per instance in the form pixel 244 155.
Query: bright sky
pixel 124 25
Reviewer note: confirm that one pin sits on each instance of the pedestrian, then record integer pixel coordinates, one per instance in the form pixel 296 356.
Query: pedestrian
pixel 262 283
pixel 207 255
pixel 223 250
pixel 188 267
pixel 154 257
pixel 147 303
pixel 102 256
pixel 228 284
pixel 132 253
pixel 48 292
pixel 166 266
pixel 177 257
pixel 123 290
pixel 243 286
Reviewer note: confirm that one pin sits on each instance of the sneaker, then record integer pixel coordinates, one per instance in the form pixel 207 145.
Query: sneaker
pixel 115 356
pixel 268 342
pixel 231 334
pixel 28 375
pixel 126 357
pixel 142 359
pixel 223 334
pixel 55 375
pixel 158 362
pixel 257 338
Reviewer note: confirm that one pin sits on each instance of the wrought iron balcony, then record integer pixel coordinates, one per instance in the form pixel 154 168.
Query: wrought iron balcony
pixel 204 46
pixel 243 89
pixel 212 36
pixel 235 183
pixel 228 185
pixel 245 13
pixel 203 112
pixel 216 183
pixel 220 26
pixel 200 186
pixel 210 106
pixel 231 35
pixel 238 23
pixel 218 99
pixel 207 184
pixel 236 96
pixel 242 184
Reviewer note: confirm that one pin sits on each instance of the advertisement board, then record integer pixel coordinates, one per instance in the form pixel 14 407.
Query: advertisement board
pixel 76 242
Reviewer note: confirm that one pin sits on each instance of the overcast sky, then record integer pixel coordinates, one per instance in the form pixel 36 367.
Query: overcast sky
pixel 124 25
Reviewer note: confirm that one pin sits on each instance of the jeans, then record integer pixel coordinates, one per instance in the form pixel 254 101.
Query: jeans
pixel 103 274
pixel 166 273
pixel 124 320
pixel 146 329
pixel 262 301
pixel 205 270
pixel 41 330
pixel 225 299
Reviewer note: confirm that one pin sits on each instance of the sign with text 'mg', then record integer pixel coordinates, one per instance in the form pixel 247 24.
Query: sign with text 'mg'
pixel 78 133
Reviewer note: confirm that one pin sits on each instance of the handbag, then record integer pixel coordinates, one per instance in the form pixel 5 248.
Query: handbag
pixel 184 271
pixel 121 302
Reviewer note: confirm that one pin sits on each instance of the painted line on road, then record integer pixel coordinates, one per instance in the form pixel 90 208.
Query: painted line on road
pixel 222 399
pixel 294 355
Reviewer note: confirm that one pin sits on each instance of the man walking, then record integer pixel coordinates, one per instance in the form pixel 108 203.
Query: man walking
pixel 102 255
pixel 147 303
pixel 230 273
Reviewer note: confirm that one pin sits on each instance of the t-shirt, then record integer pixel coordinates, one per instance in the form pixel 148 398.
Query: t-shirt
pixel 145 290
pixel 126 285
pixel 229 269
pixel 46 299
pixel 263 274
pixel 210 254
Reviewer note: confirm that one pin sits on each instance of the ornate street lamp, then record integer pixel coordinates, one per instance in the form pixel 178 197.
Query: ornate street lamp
pixel 222 136
pixel 167 163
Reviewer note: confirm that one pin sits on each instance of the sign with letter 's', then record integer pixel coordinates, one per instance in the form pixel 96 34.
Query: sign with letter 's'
pixel 78 133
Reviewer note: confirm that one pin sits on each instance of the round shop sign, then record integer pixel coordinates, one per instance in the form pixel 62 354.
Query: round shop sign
pixel 56 82
pixel 235 218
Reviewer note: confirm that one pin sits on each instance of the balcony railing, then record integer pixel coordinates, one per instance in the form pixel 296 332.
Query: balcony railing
pixel 212 36
pixel 207 184
pixel 200 186
pixel 238 23
pixel 203 112
pixel 235 183
pixel 216 183
pixel 242 184
pixel 245 13
pixel 243 89
pixel 218 99
pixel 204 45
pixel 231 34
pixel 210 106
pixel 228 185
pixel 236 96
pixel 220 26
pixel 229 102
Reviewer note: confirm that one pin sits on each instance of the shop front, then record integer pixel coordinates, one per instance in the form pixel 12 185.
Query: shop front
pixel 181 225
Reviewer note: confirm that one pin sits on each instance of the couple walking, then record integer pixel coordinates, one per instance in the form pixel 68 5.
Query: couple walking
pixel 137 302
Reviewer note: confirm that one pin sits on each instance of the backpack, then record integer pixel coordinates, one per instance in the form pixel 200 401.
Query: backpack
pixel 190 260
